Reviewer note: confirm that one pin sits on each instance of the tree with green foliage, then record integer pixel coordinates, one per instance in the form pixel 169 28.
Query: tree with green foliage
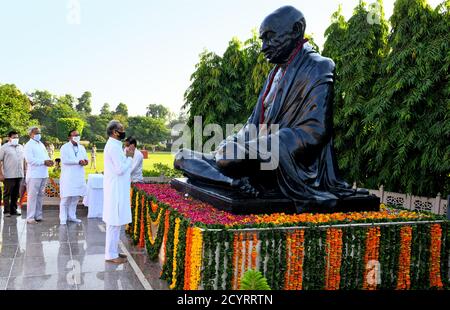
pixel 84 103
pixel 95 129
pixel 42 98
pixel 408 116
pixel 64 125
pixel 14 110
pixel 358 48
pixel 224 90
pixel 147 130
pixel 121 109
pixel 67 99
pixel 157 111
pixel 58 111
pixel 105 111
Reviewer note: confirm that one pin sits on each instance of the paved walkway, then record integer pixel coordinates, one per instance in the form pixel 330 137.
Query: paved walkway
pixel 70 257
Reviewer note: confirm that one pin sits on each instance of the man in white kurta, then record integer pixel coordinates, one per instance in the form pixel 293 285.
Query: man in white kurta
pixel 72 181
pixel 138 160
pixel 116 191
pixel 38 162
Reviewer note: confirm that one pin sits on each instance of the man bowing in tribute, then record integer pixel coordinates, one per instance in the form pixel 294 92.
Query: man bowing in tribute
pixel 116 190
pixel 73 183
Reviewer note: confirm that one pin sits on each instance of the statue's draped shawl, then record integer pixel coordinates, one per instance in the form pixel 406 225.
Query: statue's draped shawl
pixel 303 110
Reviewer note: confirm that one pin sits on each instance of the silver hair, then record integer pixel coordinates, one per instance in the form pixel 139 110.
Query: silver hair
pixel 112 126
pixel 31 129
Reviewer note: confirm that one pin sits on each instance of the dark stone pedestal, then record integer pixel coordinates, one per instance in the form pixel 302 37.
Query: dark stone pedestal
pixel 237 203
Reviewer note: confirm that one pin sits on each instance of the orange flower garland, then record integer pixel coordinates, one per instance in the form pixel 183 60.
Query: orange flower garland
pixel 247 252
pixel 187 260
pixel 235 254
pixel 141 243
pixel 240 257
pixel 404 264
pixel 237 259
pixel 372 253
pixel 175 252
pixel 294 256
pixel 193 260
pixel 288 260
pixel 154 206
pixel 136 207
pixel 166 232
pixel 254 250
pixel 435 256
pixel 333 248
pixel 151 223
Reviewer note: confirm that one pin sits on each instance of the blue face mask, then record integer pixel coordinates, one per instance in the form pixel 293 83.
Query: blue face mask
pixel 37 137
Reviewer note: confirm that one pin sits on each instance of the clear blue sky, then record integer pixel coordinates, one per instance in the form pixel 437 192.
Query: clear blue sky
pixel 137 51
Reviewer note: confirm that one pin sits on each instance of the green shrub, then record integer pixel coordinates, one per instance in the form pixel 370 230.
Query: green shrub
pixel 254 280
pixel 162 169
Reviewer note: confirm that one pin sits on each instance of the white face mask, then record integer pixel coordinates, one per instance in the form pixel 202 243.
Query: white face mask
pixel 76 139
pixel 37 137
pixel 15 141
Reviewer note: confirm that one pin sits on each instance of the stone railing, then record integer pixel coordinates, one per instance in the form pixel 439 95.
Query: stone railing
pixel 438 205
pixel 160 179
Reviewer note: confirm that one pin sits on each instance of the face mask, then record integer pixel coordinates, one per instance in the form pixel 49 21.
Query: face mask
pixel 121 135
pixel 14 142
pixel 37 137
pixel 76 139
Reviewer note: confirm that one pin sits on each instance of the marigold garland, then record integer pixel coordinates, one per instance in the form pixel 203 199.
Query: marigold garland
pixel 404 264
pixel 240 257
pixel 371 254
pixel 333 250
pixel 187 260
pixel 294 259
pixel 247 252
pixel 166 232
pixel 175 249
pixel 154 206
pixel 254 250
pixel 136 208
pixel 151 223
pixel 195 260
pixel 141 242
pixel 435 256
pixel 235 258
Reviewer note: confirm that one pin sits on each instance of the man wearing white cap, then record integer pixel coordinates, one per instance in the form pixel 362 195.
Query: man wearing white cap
pixel 72 181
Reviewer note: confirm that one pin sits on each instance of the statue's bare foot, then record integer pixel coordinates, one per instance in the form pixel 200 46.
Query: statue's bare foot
pixel 244 186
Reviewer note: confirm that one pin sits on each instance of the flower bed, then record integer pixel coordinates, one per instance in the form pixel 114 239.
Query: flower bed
pixel 201 247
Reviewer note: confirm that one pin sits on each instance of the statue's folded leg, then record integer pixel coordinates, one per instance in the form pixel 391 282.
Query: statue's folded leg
pixel 202 167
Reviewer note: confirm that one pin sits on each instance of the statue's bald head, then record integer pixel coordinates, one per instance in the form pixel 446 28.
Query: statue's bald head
pixel 280 32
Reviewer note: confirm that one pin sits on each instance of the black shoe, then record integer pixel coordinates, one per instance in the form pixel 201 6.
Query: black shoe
pixel 7 215
pixel 38 220
pixel 16 213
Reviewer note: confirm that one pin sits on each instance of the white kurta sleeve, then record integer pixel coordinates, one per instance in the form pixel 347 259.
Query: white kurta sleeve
pixel 31 159
pixel 120 163
pixel 68 157
pixel 137 162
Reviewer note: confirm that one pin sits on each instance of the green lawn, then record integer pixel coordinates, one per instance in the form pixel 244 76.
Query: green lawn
pixel 153 158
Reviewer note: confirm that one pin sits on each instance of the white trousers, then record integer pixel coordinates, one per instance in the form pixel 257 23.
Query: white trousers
pixel 35 197
pixel 68 208
pixel 112 241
